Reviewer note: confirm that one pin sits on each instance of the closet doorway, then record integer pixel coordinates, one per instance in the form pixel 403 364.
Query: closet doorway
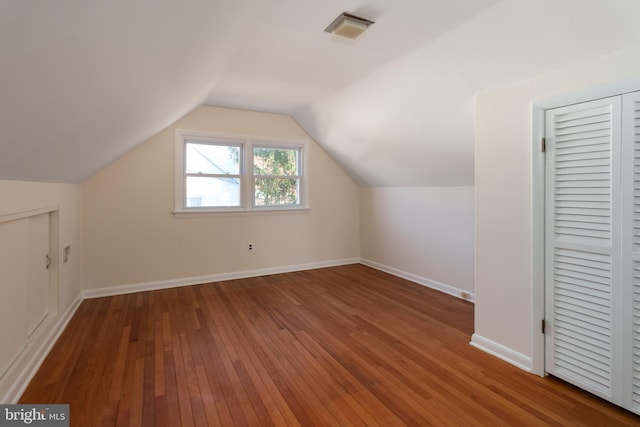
pixel 592 247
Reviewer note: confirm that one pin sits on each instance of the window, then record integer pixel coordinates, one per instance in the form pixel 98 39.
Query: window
pixel 276 176
pixel 216 174
pixel 212 175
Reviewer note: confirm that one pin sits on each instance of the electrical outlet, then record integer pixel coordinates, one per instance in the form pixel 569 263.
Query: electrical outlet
pixel 250 247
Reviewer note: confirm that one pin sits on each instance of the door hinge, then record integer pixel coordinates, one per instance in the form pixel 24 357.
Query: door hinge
pixel 544 326
pixel 543 145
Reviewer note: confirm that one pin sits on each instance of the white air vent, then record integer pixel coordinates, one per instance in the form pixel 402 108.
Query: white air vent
pixel 348 26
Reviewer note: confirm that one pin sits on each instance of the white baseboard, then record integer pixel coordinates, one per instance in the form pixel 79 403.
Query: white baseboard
pixel 17 378
pixel 498 350
pixel 450 290
pixel 174 283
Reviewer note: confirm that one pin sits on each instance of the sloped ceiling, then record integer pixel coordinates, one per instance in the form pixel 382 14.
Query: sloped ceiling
pixel 84 81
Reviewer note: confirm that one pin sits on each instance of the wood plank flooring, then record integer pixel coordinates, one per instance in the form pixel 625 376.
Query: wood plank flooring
pixel 344 346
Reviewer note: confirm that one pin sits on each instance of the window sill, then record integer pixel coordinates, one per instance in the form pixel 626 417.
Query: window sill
pixel 203 213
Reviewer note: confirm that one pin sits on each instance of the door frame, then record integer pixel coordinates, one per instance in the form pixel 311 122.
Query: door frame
pixel 538 108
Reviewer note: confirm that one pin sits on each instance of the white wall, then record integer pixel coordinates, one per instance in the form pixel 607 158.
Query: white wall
pixel 422 233
pixel 132 238
pixel 17 197
pixel 507 311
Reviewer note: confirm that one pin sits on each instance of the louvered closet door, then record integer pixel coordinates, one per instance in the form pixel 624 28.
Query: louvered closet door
pixel 582 248
pixel 631 252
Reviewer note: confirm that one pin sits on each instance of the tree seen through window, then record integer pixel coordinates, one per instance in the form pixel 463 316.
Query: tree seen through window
pixel 276 176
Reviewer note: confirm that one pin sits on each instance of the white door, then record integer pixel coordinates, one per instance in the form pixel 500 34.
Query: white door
pixel 24 283
pixel 39 261
pixel 583 245
pixel 631 251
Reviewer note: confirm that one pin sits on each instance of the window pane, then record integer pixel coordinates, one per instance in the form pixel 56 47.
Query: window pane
pixel 276 191
pixel 275 161
pixel 213 159
pixel 212 192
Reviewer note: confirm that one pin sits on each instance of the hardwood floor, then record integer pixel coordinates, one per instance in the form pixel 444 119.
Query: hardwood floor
pixel 337 347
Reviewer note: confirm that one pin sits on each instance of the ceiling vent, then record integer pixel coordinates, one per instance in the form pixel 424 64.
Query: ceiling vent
pixel 348 26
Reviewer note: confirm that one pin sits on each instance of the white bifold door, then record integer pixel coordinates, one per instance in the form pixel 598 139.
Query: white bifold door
pixel 592 267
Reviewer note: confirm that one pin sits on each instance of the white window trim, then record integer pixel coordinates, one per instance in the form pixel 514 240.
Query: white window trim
pixel 246 190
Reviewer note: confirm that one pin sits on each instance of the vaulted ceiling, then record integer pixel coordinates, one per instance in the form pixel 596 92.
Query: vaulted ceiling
pixel 84 81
